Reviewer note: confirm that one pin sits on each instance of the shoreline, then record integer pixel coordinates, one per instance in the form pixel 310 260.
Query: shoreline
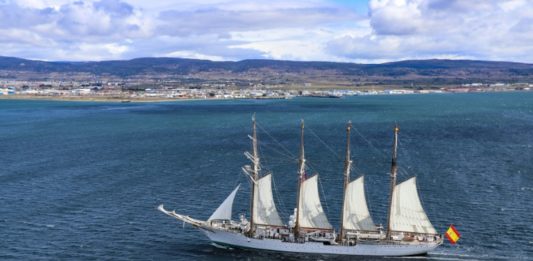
pixel 155 99
pixel 92 99
pixel 118 100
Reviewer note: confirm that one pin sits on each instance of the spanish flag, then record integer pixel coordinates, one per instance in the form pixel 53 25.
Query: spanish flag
pixel 452 234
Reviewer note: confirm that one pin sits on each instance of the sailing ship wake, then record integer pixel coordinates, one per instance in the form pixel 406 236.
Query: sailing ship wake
pixel 409 231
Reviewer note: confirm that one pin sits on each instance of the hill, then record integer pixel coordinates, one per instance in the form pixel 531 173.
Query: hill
pixel 271 71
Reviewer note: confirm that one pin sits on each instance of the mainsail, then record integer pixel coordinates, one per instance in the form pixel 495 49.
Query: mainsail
pixel 223 212
pixel 265 212
pixel 356 215
pixel 311 212
pixel 407 213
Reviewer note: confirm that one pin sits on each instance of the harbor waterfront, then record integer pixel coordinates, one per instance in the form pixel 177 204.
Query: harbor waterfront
pixel 82 180
pixel 110 94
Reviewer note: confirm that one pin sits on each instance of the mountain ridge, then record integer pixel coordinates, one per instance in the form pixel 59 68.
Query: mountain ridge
pixel 425 71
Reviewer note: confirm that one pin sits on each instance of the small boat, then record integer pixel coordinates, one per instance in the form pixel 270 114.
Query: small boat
pixel 308 231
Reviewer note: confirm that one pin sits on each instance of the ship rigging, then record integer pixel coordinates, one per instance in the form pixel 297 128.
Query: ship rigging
pixel 408 231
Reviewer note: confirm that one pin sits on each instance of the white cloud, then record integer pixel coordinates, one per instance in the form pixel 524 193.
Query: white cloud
pixel 278 29
pixel 194 55
pixel 396 16
pixel 421 29
pixel 287 44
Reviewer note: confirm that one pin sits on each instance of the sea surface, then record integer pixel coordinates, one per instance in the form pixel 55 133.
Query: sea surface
pixel 82 180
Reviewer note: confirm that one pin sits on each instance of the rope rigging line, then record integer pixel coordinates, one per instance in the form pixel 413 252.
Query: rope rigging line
pixel 325 144
pixel 381 153
pixel 293 157
pixel 309 165
pixel 239 179
pixel 357 170
pixel 405 150
pixel 274 186
pixel 323 196
pixel 403 172
pixel 312 168
pixel 274 139
pixel 353 167
pixel 282 205
pixel 279 161
pixel 285 156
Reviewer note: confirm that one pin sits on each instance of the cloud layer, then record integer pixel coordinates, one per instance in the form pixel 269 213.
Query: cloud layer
pixel 474 29
pixel 374 31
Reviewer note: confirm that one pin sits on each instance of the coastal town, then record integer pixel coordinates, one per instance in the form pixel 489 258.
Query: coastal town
pixel 121 91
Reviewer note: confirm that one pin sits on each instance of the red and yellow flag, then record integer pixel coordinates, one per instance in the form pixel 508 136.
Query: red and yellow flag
pixel 452 234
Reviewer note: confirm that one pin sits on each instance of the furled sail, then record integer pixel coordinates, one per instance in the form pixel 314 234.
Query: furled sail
pixel 311 213
pixel 355 214
pixel 223 212
pixel 407 213
pixel 265 211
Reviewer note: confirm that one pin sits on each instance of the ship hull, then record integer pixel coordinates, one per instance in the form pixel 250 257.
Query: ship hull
pixel 226 239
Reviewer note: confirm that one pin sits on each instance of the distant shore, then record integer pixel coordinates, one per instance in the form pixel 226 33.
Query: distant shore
pixel 145 99
pixel 90 98
pixel 114 99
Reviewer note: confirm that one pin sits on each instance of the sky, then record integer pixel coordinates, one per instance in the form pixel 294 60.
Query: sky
pixel 362 31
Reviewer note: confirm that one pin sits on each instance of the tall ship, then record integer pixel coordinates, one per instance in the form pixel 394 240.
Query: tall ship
pixel 408 231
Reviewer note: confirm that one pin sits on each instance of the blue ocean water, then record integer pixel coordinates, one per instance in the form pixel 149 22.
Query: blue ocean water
pixel 82 180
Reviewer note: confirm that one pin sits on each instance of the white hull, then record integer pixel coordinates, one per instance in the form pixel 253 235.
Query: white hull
pixel 236 240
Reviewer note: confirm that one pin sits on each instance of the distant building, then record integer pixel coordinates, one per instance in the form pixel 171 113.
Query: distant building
pixel 7 91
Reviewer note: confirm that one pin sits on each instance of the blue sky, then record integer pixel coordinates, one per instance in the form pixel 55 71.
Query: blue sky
pixel 321 30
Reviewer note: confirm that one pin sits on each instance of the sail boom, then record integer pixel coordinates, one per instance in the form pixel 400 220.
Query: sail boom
pixel 317 228
pixel 270 225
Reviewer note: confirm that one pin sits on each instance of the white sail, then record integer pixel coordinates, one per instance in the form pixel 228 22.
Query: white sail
pixel 311 213
pixel 223 212
pixel 407 213
pixel 265 211
pixel 355 214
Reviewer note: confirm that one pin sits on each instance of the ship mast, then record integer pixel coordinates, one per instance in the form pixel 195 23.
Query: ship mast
pixel 394 170
pixel 301 176
pixel 255 172
pixel 347 168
